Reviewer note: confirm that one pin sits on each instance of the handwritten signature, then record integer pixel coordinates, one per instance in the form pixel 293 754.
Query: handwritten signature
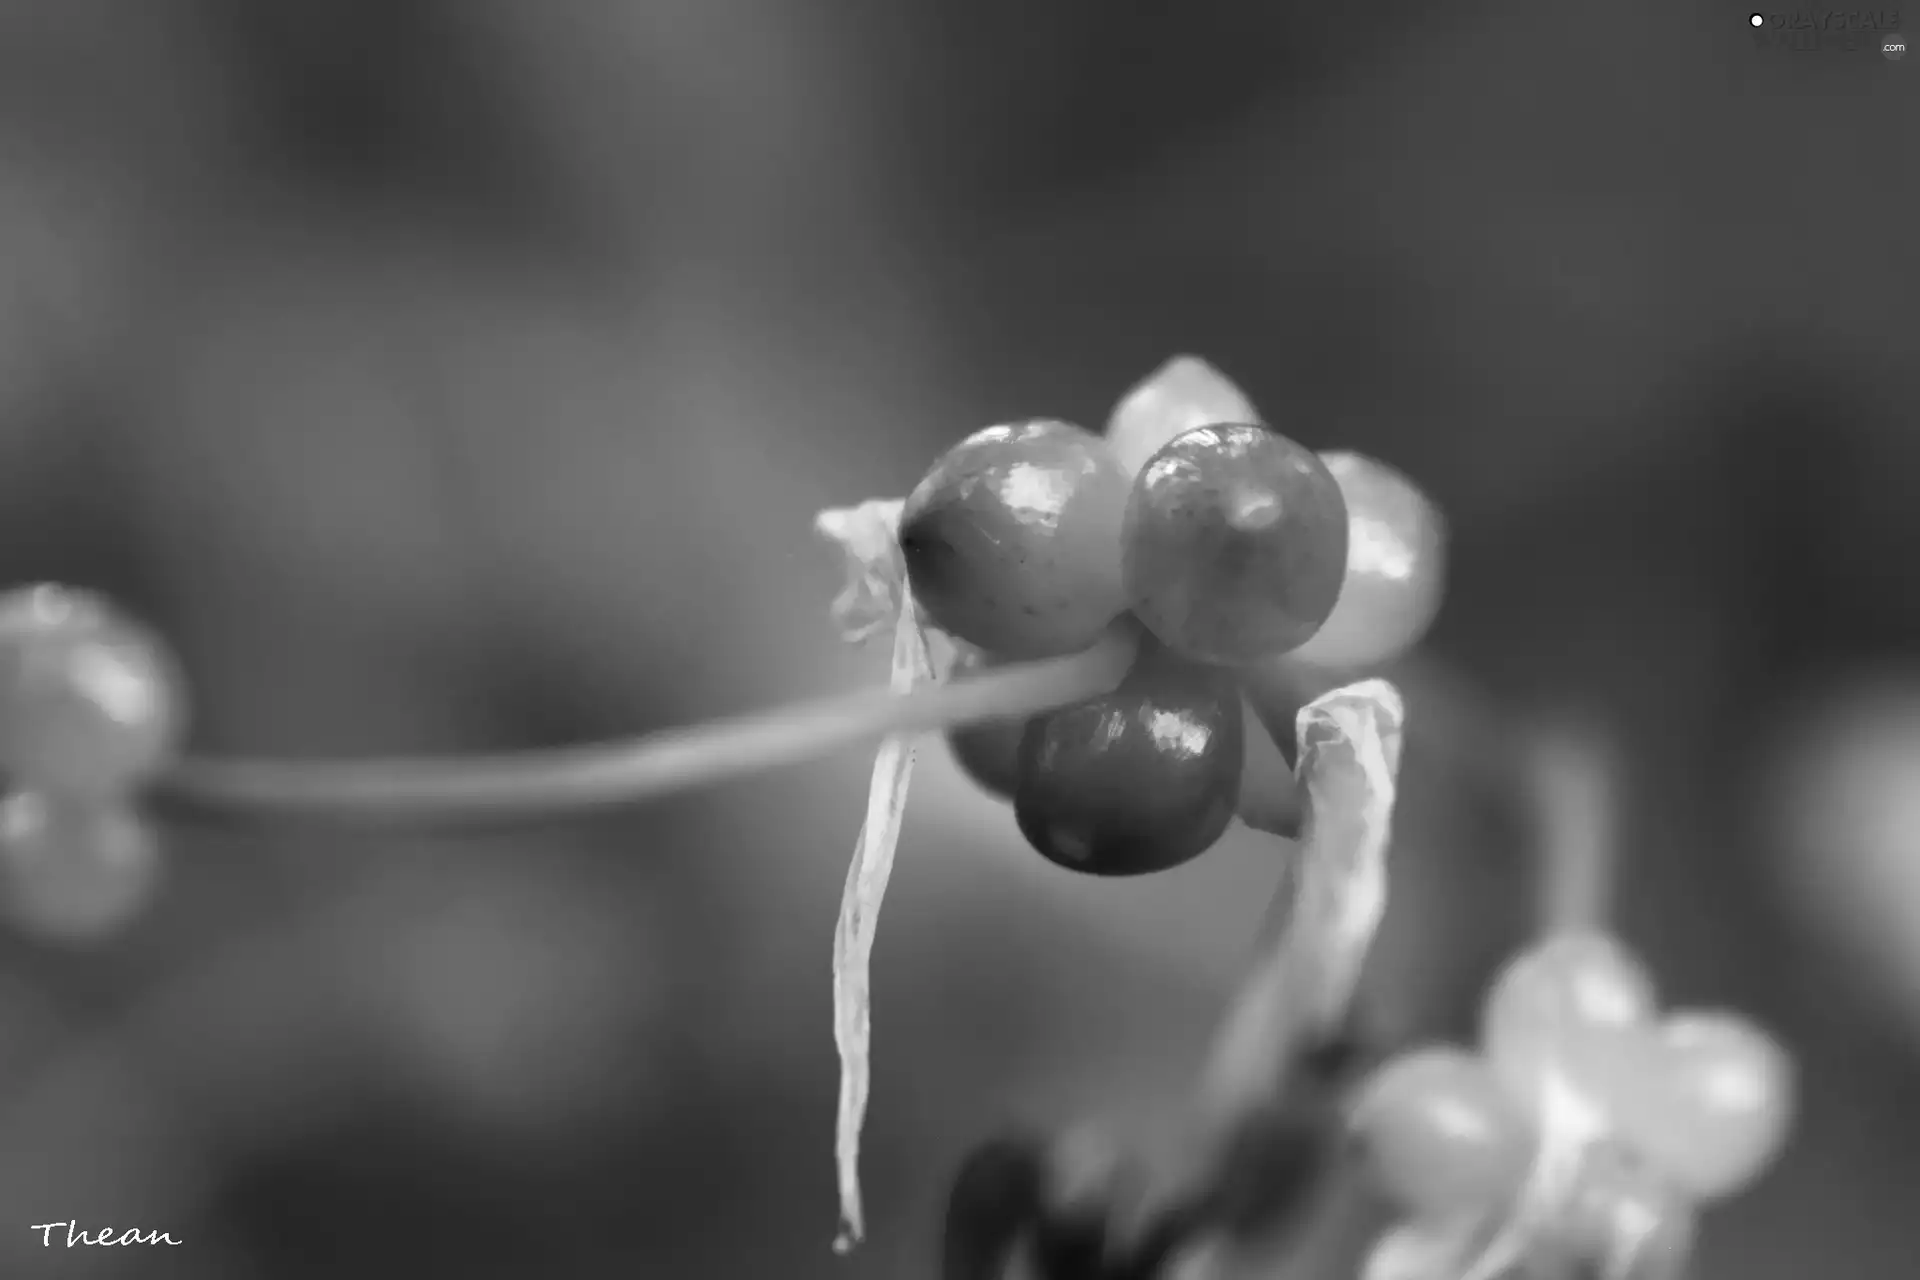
pixel 106 1236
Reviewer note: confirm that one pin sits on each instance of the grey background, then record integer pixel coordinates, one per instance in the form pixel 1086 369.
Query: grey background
pixel 450 374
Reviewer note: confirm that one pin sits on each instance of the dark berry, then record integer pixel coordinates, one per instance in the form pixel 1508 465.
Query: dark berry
pixel 1235 544
pixel 987 752
pixel 1137 780
pixel 1012 541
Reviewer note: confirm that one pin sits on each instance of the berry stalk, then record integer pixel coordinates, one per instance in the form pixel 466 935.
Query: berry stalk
pixel 535 784
pixel 1572 784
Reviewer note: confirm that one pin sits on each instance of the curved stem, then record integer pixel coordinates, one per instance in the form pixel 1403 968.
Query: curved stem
pixel 1572 782
pixel 568 780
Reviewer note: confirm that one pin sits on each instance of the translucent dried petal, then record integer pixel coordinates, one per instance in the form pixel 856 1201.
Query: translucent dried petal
pixel 1349 765
pixel 1325 917
pixel 853 934
pixel 1184 393
pixel 876 574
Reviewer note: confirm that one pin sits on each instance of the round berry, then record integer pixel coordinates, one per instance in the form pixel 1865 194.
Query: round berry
pixel 1184 393
pixel 1441 1133
pixel 91 701
pixel 1711 1104
pixel 1566 1006
pixel 1396 568
pixel 1235 544
pixel 1012 541
pixel 1623 1221
pixel 987 752
pixel 73 871
pixel 1137 780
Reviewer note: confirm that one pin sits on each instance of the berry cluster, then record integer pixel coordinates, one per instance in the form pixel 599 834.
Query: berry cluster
pixel 1222 547
pixel 1118 601
pixel 91 709
pixel 1660 1114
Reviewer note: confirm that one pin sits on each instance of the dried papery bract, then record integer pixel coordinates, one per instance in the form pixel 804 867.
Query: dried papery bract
pixel 1325 918
pixel 853 933
pixel 876 576
pixel 1184 393
pixel 922 656
pixel 876 583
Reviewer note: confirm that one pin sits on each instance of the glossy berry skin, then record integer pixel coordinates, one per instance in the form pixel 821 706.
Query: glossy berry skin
pixel 73 871
pixel 1396 568
pixel 1012 541
pixel 987 752
pixel 1572 1006
pixel 1442 1134
pixel 91 702
pixel 1235 544
pixel 1709 1103
pixel 1184 393
pixel 1138 780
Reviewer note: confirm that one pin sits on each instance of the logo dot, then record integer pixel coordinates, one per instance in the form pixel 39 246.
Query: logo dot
pixel 1757 20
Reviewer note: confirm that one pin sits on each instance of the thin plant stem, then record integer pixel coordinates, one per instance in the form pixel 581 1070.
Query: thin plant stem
pixel 535 784
pixel 1573 783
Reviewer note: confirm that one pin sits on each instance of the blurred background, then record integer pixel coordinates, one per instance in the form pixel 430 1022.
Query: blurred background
pixel 462 374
